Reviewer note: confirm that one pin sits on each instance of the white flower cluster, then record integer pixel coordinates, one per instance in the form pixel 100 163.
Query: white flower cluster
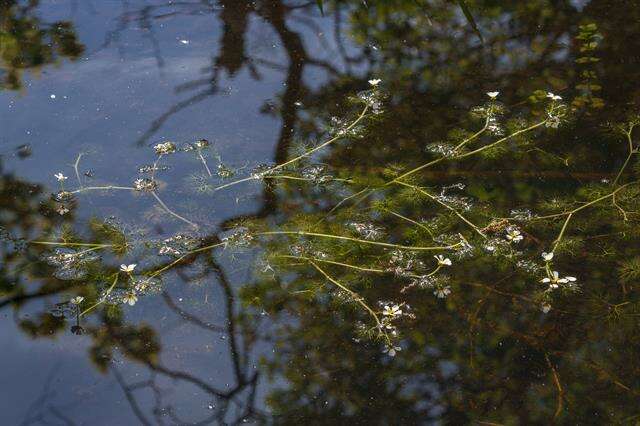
pixel 165 148
pixel 553 96
pixel 391 349
pixel 442 291
pixel 420 281
pixel 554 280
pixel 443 149
pixel 238 237
pixel 261 170
pixel 554 119
pixel 151 168
pixel 456 202
pixel 528 266
pixel 146 284
pixel 403 264
pixel 145 185
pixel 178 245
pixel 77 300
pixel 316 174
pixel 391 313
pixel 69 263
pixel 373 98
pixel 368 231
pixel 493 126
pixel 61 196
pixel 521 214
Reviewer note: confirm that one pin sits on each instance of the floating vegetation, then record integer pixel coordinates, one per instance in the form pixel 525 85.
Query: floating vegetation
pixel 373 230
pixel 71 264
pixel 145 185
pixel 164 148
pixel 178 245
pixel 151 168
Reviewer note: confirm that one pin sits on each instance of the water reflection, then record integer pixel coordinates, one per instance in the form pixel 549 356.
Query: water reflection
pixel 30 42
pixel 344 301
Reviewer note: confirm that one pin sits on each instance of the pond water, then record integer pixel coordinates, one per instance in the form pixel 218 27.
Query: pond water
pixel 275 212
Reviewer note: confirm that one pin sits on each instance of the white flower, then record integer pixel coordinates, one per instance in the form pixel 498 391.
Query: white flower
pixel 392 350
pixel 547 256
pixel 514 235
pixel 442 261
pixel 546 307
pixel 443 292
pixel 554 277
pixel 554 280
pixel 60 177
pixel 130 298
pixel 77 300
pixel 62 210
pixel 392 311
pixel 375 82
pixel 128 268
pixel 553 96
pixel 493 95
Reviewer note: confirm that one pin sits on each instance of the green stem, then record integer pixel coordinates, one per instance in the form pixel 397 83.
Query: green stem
pixel 76 166
pixel 103 188
pixel 499 141
pixel 408 220
pixel 445 205
pixel 55 243
pixel 576 210
pixel 301 156
pixel 358 268
pixel 331 262
pixel 438 160
pixel 204 163
pixel 171 212
pixel 178 260
pixel 357 240
pixel 104 298
pixel 631 152
pixel 356 297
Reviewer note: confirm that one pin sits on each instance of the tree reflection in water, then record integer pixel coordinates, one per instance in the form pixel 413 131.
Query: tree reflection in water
pixel 28 43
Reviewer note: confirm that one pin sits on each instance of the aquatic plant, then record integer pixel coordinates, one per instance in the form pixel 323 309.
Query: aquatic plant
pixel 368 232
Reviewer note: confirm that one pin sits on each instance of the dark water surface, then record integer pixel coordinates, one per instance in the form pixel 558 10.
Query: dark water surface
pixel 277 283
